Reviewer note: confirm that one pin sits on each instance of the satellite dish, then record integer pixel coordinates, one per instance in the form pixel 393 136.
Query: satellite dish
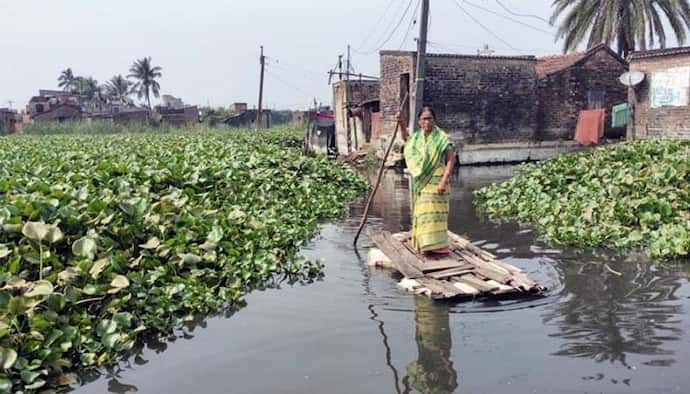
pixel 631 78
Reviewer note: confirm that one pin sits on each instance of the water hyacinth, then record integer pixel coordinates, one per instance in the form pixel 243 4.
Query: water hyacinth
pixel 105 237
pixel 630 195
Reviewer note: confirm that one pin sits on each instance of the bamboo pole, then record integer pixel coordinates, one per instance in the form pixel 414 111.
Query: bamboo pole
pixel 378 178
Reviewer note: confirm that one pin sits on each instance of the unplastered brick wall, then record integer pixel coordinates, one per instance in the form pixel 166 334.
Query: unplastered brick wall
pixel 483 99
pixel 563 94
pixel 393 65
pixel 476 99
pixel 664 122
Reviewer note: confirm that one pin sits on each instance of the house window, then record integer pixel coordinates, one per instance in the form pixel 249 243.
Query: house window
pixel 595 99
pixel 39 108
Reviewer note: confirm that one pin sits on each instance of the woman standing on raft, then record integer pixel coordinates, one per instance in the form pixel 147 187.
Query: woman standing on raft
pixel 430 160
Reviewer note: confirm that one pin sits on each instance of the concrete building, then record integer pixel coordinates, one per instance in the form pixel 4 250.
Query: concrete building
pixel 10 121
pixel 238 108
pixel 173 102
pixel 247 119
pixel 574 82
pixel 178 117
pixel 662 99
pixel 353 131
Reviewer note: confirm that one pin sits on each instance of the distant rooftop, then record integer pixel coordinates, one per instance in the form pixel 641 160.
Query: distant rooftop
pixel 659 52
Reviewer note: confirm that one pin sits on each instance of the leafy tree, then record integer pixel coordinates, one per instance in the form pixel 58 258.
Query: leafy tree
pixel 66 80
pixel 118 88
pixel 145 74
pixel 629 24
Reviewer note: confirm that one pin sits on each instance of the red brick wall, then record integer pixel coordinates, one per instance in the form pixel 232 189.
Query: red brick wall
pixel 476 99
pixel 564 94
pixel 664 122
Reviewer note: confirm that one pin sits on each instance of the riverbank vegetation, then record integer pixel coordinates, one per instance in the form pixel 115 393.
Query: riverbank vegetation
pixel 631 195
pixel 106 237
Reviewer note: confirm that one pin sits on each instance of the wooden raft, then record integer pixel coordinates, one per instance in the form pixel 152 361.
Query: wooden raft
pixel 467 272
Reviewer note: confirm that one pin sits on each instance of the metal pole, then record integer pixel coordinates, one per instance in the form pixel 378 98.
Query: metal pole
pixel 262 60
pixel 421 64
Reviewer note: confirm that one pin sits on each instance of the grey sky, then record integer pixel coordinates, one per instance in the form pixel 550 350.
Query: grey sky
pixel 209 48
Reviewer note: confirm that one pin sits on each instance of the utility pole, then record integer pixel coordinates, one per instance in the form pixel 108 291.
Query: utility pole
pixel 421 65
pixel 340 67
pixel 348 62
pixel 262 60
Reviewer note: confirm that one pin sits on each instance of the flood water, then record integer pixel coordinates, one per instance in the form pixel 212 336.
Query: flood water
pixel 608 324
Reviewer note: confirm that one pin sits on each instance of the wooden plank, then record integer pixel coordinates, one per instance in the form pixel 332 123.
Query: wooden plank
pixel 467 289
pixel 487 270
pixel 502 289
pixel 405 261
pixel 435 265
pixel 477 283
pixel 511 268
pixel 467 245
pixel 450 272
pixel 441 289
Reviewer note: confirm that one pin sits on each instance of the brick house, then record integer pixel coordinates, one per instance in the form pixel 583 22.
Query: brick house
pixel 477 99
pixel 574 82
pixel 347 96
pixel 10 121
pixel 662 100
pixel 178 117
pixel 59 113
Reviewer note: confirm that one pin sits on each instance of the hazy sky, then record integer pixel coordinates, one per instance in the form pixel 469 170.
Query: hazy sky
pixel 209 49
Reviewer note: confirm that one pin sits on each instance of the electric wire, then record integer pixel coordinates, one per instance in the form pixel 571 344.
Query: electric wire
pixel 378 23
pixel 496 36
pixel 471 4
pixel 392 33
pixel 521 15
pixel 413 21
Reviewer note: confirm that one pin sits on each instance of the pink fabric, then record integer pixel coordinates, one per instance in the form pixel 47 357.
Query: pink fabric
pixel 590 126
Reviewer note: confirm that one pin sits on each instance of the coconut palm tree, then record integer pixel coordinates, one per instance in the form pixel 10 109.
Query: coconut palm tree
pixel 91 90
pixel 66 80
pixel 118 88
pixel 629 24
pixel 145 75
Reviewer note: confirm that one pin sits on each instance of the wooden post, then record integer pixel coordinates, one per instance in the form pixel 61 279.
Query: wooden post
pixel 421 65
pixel 262 60
pixel 354 129
pixel 346 98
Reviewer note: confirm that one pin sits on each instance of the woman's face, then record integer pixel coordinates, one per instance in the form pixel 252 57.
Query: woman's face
pixel 427 121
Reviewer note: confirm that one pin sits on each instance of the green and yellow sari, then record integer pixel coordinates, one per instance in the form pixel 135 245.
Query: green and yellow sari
pixel 425 158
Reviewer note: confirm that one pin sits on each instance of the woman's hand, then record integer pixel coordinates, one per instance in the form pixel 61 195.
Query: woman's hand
pixel 399 117
pixel 442 186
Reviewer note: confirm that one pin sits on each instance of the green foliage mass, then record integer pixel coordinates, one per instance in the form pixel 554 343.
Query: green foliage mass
pixel 106 237
pixel 631 195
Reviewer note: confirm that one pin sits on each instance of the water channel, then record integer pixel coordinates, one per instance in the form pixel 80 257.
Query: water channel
pixel 609 323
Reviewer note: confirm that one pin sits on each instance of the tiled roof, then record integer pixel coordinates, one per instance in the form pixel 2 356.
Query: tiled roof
pixel 659 52
pixel 551 64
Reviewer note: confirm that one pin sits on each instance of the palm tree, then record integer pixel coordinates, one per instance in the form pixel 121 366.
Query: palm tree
pixel 630 24
pixel 66 80
pixel 145 75
pixel 90 89
pixel 117 89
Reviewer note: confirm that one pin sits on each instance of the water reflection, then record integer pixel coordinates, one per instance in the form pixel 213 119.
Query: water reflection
pixel 614 308
pixel 433 371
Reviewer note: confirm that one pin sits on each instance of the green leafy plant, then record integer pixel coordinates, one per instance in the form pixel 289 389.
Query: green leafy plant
pixel 104 238
pixel 630 195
